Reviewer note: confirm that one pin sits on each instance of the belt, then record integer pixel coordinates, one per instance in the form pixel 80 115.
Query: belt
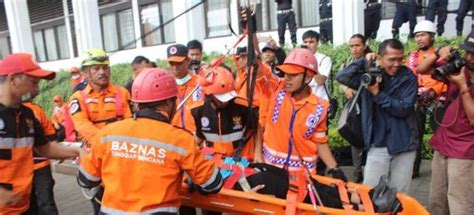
pixel 284 11
pixel 326 19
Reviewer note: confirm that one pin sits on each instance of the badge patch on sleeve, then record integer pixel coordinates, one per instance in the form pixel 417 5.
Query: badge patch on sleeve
pixel 74 106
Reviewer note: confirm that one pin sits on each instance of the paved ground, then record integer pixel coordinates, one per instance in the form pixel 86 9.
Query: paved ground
pixel 71 201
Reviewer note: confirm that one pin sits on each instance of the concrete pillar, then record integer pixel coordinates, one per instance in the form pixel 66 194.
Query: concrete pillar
pixel 348 19
pixel 87 24
pixel 19 26
pixel 137 24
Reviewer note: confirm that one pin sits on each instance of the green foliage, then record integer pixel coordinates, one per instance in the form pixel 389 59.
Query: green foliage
pixel 121 73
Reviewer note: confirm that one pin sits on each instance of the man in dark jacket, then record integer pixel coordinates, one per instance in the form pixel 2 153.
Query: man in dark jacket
pixel 388 115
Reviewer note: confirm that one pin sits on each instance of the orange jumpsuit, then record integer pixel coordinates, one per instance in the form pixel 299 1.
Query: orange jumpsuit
pixel 183 117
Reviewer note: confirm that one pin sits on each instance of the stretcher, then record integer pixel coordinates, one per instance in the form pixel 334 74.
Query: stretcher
pixel 239 202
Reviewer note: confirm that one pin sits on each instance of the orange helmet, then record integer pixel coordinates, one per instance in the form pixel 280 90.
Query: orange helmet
pixel 153 84
pixel 297 59
pixel 219 83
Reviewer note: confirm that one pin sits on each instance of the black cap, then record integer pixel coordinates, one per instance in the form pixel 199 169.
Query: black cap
pixel 268 47
pixel 468 44
pixel 177 53
pixel 241 51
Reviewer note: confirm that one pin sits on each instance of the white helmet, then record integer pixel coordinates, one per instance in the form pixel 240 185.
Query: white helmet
pixel 425 26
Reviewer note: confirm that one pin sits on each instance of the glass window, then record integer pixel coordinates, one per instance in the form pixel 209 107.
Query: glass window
pixel 309 12
pixel 217 18
pixel 150 20
pixel 39 46
pixel 127 33
pixel 50 44
pixel 109 32
pixel 4 47
pixel 167 11
pixel 63 42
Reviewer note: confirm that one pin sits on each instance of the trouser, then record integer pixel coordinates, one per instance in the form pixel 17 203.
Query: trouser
pixel 464 7
pixel 372 17
pixel 405 12
pixel 42 192
pixel 451 190
pixel 421 114
pixel 97 197
pixel 357 158
pixel 438 7
pixel 397 168
pixel 283 19
pixel 325 30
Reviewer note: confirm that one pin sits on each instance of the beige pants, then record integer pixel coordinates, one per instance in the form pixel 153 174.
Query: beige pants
pixel 452 186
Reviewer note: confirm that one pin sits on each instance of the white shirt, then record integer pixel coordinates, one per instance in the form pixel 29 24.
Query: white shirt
pixel 324 68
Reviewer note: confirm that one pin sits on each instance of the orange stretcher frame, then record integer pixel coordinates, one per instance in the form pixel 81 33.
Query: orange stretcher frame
pixel 238 202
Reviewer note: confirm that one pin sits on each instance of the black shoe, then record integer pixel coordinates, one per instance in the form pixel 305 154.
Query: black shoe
pixel 459 33
pixel 415 175
pixel 440 34
pixel 411 36
pixel 358 176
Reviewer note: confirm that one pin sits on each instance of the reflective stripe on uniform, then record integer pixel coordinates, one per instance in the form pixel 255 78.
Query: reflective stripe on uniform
pixel 211 181
pixel 142 141
pixel 108 210
pixel 229 138
pixel 10 142
pixel 87 175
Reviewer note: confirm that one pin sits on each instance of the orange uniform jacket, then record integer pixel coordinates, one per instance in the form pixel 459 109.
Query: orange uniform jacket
pixel 48 129
pixel 142 171
pixel 98 109
pixel 183 117
pixel 425 81
pixel 265 84
pixel 59 113
pixel 308 120
pixel 20 131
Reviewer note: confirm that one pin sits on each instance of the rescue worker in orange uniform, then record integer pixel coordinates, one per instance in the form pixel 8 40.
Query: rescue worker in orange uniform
pixel 21 132
pixel 62 121
pixel 142 171
pixel 43 182
pixel 76 77
pixel 101 102
pixel 295 128
pixel 431 92
pixel 178 61
pixel 222 118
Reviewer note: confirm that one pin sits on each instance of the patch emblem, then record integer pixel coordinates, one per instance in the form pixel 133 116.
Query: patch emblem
pixel 311 121
pixel 74 106
pixel 29 124
pixel 204 121
pixel 197 95
pixel 173 50
pixel 237 120
pixel 2 124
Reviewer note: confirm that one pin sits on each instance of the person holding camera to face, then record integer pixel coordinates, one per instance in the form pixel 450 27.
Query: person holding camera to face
pixel 453 142
pixel 388 121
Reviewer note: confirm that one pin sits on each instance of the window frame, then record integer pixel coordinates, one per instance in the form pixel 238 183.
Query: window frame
pixel 162 38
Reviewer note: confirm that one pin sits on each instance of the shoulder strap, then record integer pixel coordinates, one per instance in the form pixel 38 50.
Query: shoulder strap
pixel 85 97
pixel 118 103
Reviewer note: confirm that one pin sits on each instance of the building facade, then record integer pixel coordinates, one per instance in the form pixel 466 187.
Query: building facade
pixel 58 31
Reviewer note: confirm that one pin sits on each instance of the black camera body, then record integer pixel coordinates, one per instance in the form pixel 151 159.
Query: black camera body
pixel 370 77
pixel 453 67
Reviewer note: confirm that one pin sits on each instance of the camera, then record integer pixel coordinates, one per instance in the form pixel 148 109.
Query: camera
pixel 370 77
pixel 452 67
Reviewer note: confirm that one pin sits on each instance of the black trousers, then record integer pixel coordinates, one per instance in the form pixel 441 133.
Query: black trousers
pixel 372 17
pixel 283 19
pixel 438 7
pixel 42 195
pixel 325 30
pixel 464 7
pixel 405 13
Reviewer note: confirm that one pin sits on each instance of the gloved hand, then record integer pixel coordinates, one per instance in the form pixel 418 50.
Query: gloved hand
pixel 337 173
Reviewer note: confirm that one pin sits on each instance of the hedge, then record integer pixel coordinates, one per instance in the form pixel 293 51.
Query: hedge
pixel 121 73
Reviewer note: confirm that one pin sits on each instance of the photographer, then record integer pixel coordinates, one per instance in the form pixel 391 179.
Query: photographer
pixel 453 160
pixel 388 122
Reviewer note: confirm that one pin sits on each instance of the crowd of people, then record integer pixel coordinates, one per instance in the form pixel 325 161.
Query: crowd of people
pixel 182 123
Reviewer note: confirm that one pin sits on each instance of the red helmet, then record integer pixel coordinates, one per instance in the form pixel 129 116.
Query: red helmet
pixel 219 83
pixel 298 58
pixel 153 84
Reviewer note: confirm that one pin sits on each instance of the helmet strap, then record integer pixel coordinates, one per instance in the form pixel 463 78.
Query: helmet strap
pixel 303 85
